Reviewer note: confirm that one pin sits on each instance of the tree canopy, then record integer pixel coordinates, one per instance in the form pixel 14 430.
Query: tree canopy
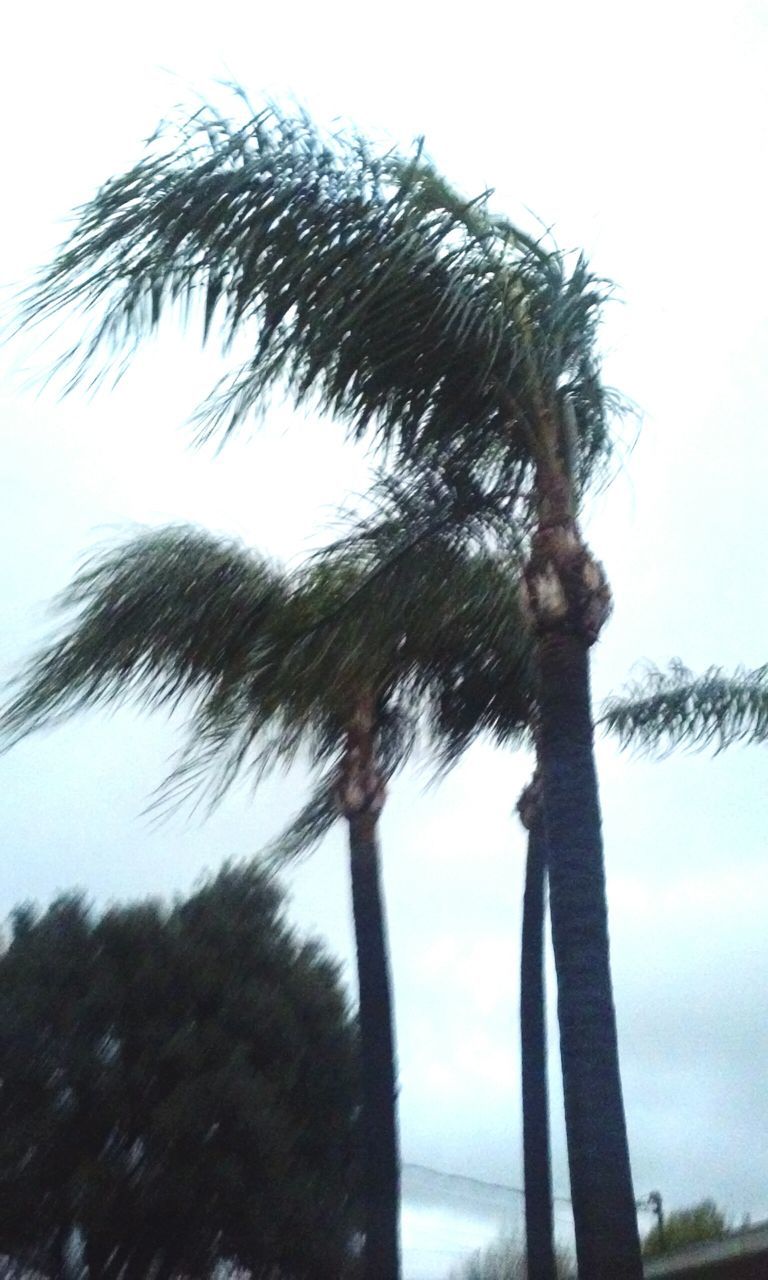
pixel 505 1259
pixel 178 1088
pixel 694 1225
pixel 267 663
pixel 359 279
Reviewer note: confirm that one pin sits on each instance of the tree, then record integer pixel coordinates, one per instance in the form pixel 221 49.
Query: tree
pixel 506 1260
pixel 178 1088
pixel 701 1222
pixel 483 686
pixel 277 664
pixel 367 285
pixel 667 709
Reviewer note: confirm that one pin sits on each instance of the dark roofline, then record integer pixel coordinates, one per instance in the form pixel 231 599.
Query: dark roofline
pixel 742 1244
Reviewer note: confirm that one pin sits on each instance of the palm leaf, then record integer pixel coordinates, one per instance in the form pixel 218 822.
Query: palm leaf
pixel 307 828
pixel 396 737
pixel 272 666
pixel 438 632
pixel 169 613
pixel 667 709
pixel 361 281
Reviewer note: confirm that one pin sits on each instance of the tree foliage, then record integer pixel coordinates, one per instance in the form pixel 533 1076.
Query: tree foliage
pixel 358 279
pixel 178 1085
pixel 695 1225
pixel 361 282
pixel 667 709
pixel 268 663
pixel 505 1260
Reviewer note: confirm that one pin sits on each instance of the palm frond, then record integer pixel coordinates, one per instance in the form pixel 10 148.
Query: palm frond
pixel 437 630
pixel 273 665
pixel 667 709
pixel 396 738
pixel 307 828
pixel 362 281
pixel 169 613
pixel 441 594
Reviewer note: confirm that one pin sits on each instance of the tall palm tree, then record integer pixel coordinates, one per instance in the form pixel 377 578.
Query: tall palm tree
pixel 269 665
pixel 363 283
pixel 667 709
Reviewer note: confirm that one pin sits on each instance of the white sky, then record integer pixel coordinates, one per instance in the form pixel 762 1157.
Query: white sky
pixel 639 132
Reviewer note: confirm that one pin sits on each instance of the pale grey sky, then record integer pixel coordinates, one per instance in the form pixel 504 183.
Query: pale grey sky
pixel 639 132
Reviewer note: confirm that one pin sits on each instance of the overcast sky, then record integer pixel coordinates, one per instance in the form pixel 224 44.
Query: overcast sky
pixel 639 133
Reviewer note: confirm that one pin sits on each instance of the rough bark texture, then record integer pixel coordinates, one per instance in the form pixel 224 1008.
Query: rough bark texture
pixel 569 601
pixel 361 795
pixel 539 1224
pixel 601 1185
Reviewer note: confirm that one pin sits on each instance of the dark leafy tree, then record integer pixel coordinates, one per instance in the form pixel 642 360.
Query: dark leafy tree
pixel 178 1089
pixel 364 283
pixel 343 661
pixel 694 1225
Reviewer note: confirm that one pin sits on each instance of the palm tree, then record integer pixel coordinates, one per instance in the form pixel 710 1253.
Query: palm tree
pixel 363 283
pixel 326 661
pixel 481 687
pixel 667 709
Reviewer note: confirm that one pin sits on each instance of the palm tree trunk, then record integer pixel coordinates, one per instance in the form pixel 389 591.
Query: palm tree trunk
pixel 381 1167
pixel 361 795
pixel 607 1241
pixel 539 1225
pixel 570 600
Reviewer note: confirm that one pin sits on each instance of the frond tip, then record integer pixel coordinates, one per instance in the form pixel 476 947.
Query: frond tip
pixel 168 613
pixel 307 828
pixel 668 709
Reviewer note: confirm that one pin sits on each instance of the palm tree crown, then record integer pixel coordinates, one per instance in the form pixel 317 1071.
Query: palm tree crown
pixel 362 281
pixel 269 664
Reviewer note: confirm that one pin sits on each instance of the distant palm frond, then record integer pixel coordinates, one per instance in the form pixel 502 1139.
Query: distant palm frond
pixel 667 709
pixel 362 281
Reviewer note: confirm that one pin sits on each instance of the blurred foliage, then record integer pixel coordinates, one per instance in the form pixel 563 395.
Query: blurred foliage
pixel 176 1089
pixel 701 1222
pixel 505 1260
